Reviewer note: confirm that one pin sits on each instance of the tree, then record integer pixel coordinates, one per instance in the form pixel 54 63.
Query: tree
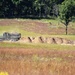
pixel 38 7
pixel 5 8
pixel 67 11
pixel 30 8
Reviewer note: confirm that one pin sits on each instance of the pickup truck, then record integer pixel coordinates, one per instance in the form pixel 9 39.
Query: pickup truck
pixel 10 36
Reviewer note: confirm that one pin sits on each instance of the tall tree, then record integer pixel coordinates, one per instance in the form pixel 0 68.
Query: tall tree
pixel 67 11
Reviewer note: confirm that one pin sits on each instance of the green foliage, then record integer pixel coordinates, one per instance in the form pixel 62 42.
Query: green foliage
pixel 67 11
pixel 24 8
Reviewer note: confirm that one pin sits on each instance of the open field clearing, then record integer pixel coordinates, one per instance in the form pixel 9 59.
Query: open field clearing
pixel 37 28
pixel 37 58
pixel 45 26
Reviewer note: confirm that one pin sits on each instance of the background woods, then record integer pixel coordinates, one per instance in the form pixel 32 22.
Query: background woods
pixel 29 8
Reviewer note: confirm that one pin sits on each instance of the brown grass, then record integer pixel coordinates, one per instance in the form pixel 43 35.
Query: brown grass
pixel 20 61
pixel 14 67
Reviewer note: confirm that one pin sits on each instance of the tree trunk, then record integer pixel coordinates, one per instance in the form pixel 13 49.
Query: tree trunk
pixel 66 29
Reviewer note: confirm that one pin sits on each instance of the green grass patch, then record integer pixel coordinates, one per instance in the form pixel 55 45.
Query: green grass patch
pixel 14 29
pixel 24 33
pixel 57 23
pixel 38 46
pixel 49 20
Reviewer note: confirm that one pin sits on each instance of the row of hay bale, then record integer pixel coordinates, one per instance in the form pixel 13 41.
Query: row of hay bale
pixel 49 40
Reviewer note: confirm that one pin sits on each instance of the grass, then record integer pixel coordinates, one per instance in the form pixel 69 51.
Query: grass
pixel 36 59
pixel 15 62
pixel 50 20
pixel 17 29
pixel 56 22
pixel 40 68
pixel 27 33
pixel 38 46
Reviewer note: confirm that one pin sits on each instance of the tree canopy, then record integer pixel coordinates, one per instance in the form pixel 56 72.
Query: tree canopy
pixel 28 8
pixel 67 11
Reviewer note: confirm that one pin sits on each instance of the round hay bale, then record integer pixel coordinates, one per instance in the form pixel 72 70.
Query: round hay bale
pixel 65 41
pixel 24 40
pixel 38 40
pixel 31 39
pixel 51 40
pixel 58 40
pixel 70 42
pixel 44 39
pixel 74 42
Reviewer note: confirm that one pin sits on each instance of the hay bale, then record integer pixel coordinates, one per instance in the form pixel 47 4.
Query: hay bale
pixel 31 39
pixel 51 40
pixel 24 40
pixel 27 40
pixel 71 42
pixel 74 42
pixel 65 41
pixel 58 40
pixel 38 40
pixel 44 39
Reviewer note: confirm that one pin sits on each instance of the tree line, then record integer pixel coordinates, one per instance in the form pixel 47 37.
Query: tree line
pixel 29 8
pixel 64 9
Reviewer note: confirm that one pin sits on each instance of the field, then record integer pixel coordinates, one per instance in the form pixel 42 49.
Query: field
pixel 37 59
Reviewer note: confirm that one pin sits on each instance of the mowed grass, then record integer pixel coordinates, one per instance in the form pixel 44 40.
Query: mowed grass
pixel 18 29
pixel 37 46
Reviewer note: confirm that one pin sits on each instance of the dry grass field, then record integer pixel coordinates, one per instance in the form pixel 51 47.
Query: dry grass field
pixel 37 59
pixel 20 61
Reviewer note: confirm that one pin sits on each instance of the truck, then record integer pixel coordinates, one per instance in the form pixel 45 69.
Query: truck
pixel 10 36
